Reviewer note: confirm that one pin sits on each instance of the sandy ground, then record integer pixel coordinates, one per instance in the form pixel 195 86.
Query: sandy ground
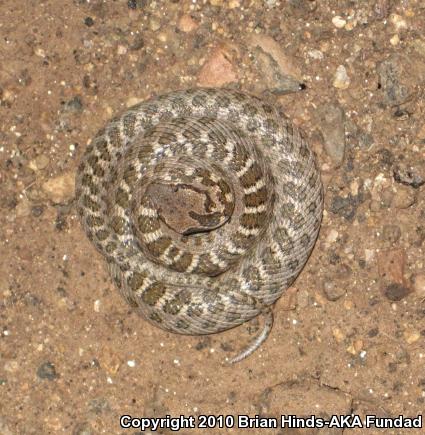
pixel 348 337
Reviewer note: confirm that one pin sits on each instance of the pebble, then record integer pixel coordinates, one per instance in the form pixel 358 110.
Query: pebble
pixel 218 69
pixel 395 40
pixel 187 24
pixel 316 54
pixel 60 189
pixel 412 336
pixel 419 285
pixel 99 405
pixel 391 264
pixel 303 298
pixel 154 24
pixel 373 332
pixel 398 22
pixel 39 163
pixel 40 52
pixel 382 8
pixel 37 210
pixel 409 175
pixel 278 71
pixel 332 126
pixel 345 206
pixel 137 43
pixel 121 50
pixel 348 305
pixel 82 429
pixel 338 335
pixel 289 300
pixel 332 237
pixel 386 157
pixel 338 22
pixel 11 366
pixel 403 197
pixel 390 71
pixel 333 291
pixel 74 105
pixel 88 21
pixel 132 101
pixel 23 208
pixel 47 371
pixel 369 255
pixel 387 197
pixel 391 233
pixel 396 292
pixel 341 79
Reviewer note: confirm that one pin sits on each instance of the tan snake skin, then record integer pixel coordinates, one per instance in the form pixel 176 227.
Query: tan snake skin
pixel 206 204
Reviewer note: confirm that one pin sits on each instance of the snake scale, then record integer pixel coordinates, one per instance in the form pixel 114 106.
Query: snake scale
pixel 206 204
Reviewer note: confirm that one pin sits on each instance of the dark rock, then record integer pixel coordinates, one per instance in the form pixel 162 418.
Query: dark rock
pixel 345 206
pixel 134 4
pixel 47 371
pixel 401 114
pixel 408 175
pixel 137 44
pixel 62 292
pixel 24 78
pixel 74 105
pixel 203 343
pixel 396 292
pixel 394 92
pixel 88 21
pixel 37 210
pixel 373 332
pixel 61 223
pixel 31 299
pixel 386 157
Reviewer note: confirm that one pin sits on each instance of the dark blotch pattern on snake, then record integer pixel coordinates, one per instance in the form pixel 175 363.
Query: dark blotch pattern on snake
pixel 206 204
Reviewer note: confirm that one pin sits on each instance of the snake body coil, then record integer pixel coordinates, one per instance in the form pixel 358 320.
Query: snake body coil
pixel 206 204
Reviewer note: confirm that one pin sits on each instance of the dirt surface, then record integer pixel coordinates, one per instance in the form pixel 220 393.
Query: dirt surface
pixel 348 337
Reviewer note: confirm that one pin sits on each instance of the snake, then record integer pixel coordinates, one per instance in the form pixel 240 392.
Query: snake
pixel 206 204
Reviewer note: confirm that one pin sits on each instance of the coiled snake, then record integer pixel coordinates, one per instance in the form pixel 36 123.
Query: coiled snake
pixel 206 204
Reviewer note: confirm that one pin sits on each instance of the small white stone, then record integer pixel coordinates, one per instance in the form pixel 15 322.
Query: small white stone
pixel 40 52
pixel 398 21
pixel 341 80
pixel 369 254
pixel 132 101
pixel 96 306
pixel 354 188
pixel 131 363
pixel 338 22
pixel 332 236
pixel 122 49
pixel 395 40
pixel 315 54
